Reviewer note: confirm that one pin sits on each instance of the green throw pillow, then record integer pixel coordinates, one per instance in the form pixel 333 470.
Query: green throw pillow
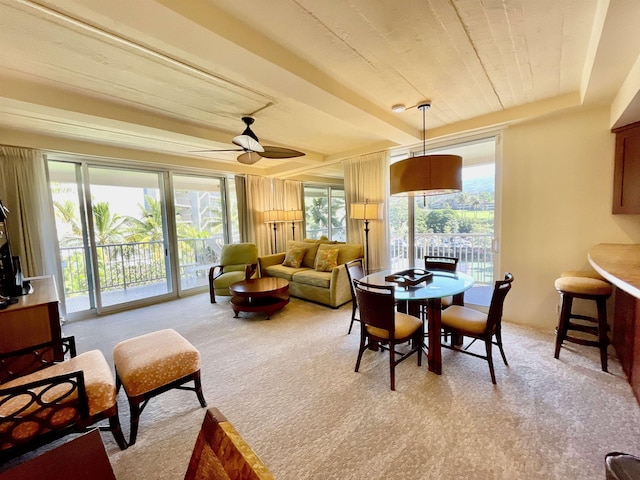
pixel 327 260
pixel 294 257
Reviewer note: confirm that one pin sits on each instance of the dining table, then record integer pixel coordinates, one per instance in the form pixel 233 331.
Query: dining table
pixel 438 285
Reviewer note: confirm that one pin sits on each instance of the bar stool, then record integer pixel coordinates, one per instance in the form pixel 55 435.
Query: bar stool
pixel 588 288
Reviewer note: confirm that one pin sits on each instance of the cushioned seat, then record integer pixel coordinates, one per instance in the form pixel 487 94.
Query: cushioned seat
pixel 593 329
pixel 152 364
pixel 313 277
pixel 282 271
pixel 98 383
pixel 45 396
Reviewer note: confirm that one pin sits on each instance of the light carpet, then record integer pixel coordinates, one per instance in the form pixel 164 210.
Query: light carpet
pixel 289 387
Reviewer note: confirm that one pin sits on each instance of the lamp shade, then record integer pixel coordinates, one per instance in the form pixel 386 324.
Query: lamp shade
pixel 272 216
pixel 426 175
pixel 366 211
pixel 249 158
pixel 293 215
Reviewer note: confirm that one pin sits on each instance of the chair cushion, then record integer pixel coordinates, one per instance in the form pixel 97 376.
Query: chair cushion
pixel 313 277
pixel 281 271
pixel 294 257
pixel 226 279
pixel 406 325
pixel 582 273
pixel 583 286
pixel 464 318
pixel 153 360
pixel 327 259
pixel 98 379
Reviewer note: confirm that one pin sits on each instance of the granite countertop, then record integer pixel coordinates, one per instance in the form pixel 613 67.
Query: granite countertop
pixel 619 263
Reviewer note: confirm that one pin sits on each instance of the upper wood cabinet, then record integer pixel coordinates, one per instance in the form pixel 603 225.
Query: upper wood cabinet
pixel 626 175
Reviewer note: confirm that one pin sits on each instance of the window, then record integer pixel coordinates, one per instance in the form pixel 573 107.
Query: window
pixel 457 225
pixel 325 212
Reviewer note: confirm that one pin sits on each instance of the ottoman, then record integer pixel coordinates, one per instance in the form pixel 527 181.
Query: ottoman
pixel 154 363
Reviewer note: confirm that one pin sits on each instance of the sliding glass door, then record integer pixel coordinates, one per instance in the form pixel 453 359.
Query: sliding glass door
pixel 112 234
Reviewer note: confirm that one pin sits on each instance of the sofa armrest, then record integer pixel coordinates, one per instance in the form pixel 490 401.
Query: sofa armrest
pixel 269 260
pixel 340 288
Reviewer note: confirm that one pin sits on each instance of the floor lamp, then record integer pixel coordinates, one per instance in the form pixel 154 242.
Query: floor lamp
pixel 293 216
pixel 274 216
pixel 366 211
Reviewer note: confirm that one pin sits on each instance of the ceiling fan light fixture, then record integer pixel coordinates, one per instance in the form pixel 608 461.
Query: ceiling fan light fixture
pixel 248 143
pixel 249 158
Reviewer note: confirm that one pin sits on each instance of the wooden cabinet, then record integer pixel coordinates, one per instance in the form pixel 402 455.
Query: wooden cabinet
pixel 626 175
pixel 34 319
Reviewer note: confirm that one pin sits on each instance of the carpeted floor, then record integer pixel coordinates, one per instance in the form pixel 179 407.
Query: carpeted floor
pixel 288 386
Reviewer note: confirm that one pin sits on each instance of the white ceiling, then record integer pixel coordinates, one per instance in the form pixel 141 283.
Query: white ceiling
pixel 173 76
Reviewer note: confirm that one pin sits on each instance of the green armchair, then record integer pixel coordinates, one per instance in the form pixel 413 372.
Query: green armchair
pixel 238 261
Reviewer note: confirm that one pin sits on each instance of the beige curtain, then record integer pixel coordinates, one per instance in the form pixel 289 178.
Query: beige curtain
pixel 24 191
pixel 367 178
pixel 259 199
pixel 287 195
pixel 241 199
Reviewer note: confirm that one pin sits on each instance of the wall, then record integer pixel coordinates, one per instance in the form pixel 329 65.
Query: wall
pixel 556 204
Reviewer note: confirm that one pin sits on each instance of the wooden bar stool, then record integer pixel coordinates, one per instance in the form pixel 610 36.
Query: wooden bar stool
pixel 587 288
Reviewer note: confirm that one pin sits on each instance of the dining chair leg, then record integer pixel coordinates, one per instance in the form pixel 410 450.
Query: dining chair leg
pixel 499 342
pixel 490 360
pixel 363 347
pixel 353 317
pixel 392 365
pixel 563 323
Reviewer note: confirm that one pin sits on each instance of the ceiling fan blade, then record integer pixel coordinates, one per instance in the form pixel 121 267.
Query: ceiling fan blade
pixel 280 152
pixel 223 150
pixel 248 143
pixel 249 158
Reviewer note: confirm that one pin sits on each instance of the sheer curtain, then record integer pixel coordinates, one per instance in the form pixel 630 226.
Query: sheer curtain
pixel 367 178
pixel 258 200
pixel 287 195
pixel 24 191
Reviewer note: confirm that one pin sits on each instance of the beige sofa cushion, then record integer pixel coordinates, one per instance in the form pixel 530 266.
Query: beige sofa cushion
pixel 346 251
pixel 281 271
pixel 313 277
pixel 309 258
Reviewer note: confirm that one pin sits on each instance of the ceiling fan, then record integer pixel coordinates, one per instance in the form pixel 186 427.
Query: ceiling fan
pixel 253 151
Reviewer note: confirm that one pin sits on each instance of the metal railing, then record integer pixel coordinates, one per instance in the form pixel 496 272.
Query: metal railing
pixel 123 265
pixel 473 250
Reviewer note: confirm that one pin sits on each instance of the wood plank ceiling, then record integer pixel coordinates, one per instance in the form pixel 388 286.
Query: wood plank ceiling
pixel 173 76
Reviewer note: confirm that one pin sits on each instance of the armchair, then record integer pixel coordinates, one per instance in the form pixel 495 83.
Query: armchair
pixel 234 260
pixel 42 400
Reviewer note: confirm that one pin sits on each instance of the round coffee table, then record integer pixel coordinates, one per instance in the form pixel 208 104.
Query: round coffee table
pixel 266 295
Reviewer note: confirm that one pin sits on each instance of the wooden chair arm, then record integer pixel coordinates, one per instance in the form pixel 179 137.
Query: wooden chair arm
pixel 46 408
pixel 19 363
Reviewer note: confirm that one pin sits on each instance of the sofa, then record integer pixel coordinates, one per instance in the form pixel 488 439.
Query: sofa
pixel 317 272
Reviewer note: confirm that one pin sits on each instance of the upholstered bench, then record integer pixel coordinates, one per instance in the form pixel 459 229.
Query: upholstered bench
pixel 154 363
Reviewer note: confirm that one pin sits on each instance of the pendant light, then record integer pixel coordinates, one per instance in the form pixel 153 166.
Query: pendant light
pixel 426 175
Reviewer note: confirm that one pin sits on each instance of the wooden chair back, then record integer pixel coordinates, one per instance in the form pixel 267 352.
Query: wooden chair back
pixel 355 271
pixel 221 453
pixel 433 262
pixel 500 290
pixel 377 305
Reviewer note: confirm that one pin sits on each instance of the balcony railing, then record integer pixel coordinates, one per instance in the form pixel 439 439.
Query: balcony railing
pixel 125 265
pixel 473 250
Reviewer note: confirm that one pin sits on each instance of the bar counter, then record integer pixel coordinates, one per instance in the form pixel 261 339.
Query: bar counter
pixel 620 265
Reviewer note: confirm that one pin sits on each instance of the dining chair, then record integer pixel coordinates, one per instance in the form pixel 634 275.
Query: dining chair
pixel 381 326
pixel 446 264
pixel 463 321
pixel 355 271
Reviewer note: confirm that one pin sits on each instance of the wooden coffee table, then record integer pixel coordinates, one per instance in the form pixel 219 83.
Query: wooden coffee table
pixel 266 295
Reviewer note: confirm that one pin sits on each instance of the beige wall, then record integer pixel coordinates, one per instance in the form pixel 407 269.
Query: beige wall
pixel 556 204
